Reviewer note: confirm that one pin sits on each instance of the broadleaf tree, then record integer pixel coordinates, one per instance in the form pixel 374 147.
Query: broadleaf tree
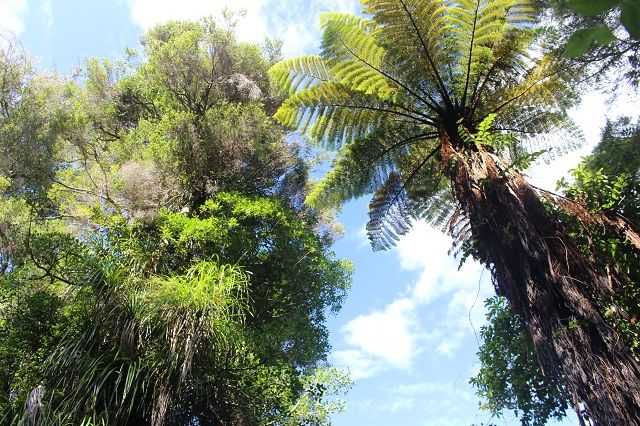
pixel 400 93
pixel 158 265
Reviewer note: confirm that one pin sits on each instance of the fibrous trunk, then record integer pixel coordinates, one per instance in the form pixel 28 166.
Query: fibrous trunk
pixel 546 279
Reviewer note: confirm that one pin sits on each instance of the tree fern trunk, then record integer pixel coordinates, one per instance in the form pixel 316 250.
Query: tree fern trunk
pixel 547 280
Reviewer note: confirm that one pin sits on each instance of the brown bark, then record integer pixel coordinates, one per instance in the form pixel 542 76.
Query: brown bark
pixel 621 227
pixel 537 267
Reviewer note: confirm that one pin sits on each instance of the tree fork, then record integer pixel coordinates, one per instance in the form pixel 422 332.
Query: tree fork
pixel 545 278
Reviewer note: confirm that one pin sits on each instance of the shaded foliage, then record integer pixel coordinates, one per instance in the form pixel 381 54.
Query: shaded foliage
pixel 513 377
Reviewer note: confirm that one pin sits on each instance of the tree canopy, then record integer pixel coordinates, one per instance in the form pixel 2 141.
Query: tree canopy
pixel 158 265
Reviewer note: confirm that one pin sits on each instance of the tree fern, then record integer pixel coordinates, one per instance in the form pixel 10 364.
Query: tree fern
pixel 400 85
pixel 421 66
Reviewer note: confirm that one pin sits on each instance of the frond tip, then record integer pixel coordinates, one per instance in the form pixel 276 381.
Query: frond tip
pixel 389 214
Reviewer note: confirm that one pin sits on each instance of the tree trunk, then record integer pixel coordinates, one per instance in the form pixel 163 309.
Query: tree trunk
pixel 537 267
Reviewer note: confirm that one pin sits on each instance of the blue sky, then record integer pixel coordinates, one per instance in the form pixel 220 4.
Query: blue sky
pixel 408 329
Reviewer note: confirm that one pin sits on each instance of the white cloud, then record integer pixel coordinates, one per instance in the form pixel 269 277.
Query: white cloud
pixel 46 12
pixel 425 249
pixel 295 22
pixel 389 335
pixel 380 341
pixel 360 364
pixel 458 292
pixel 12 13
pixel 433 314
pixel 148 13
pixel 443 398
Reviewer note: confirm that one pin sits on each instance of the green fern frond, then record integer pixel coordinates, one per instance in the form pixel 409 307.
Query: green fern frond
pixel 352 46
pixel 426 186
pixel 523 12
pixel 389 216
pixel 417 34
pixel 360 167
pixel 300 73
pixel 333 114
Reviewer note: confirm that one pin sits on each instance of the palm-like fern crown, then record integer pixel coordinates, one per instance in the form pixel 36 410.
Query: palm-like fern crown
pixel 385 90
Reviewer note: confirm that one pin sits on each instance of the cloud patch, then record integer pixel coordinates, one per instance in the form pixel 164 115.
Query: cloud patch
pixel 148 13
pixel 12 14
pixel 429 397
pixel 389 336
pixel 295 22
pixel 45 11
pixel 433 315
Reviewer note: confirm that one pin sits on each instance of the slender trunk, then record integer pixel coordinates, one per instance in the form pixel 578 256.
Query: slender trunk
pixel 537 267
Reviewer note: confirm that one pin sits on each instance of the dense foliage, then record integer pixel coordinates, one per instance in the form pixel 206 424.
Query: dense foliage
pixel 511 378
pixel 595 34
pixel 157 265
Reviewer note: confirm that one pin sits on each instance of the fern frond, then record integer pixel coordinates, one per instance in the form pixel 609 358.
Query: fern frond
pixel 300 73
pixel 348 180
pixel 332 113
pixel 523 12
pixel 426 186
pixel 359 61
pixel 389 216
pixel 417 34
pixel 479 27
pixel 510 61
pixel 536 110
pixel 363 165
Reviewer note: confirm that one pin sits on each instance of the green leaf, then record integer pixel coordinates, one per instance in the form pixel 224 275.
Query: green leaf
pixel 630 18
pixel 592 7
pixel 579 41
pixel 603 35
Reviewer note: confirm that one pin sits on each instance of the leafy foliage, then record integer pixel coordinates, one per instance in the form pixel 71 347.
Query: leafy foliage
pixel 613 64
pixel 512 376
pixel 158 265
pixel 580 40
